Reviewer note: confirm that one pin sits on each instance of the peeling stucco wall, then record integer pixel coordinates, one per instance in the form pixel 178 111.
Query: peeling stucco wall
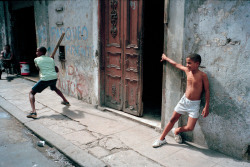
pixel 5 37
pixel 78 74
pixel 219 32
pixel 174 49
pixel 2 26
pixel 42 23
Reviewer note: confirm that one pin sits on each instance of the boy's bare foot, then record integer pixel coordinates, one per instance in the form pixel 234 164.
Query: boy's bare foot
pixel 177 138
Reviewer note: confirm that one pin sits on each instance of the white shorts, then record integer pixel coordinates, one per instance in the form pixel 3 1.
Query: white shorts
pixel 191 107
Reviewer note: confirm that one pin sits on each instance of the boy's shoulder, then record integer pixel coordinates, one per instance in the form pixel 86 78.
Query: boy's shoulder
pixel 203 73
pixel 43 57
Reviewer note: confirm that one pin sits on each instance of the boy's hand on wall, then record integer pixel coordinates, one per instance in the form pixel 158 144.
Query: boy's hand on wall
pixel 163 57
pixel 205 112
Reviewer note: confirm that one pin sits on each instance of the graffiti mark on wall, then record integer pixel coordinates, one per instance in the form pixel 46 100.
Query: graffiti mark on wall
pixel 71 33
pixel 77 50
pixel 80 50
pixel 74 83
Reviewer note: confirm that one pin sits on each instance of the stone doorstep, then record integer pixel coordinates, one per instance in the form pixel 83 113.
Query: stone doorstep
pixel 140 120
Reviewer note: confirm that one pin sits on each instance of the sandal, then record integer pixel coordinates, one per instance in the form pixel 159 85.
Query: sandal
pixel 32 115
pixel 65 103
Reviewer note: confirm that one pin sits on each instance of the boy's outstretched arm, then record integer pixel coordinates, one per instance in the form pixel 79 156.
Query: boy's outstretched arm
pixel 205 111
pixel 179 66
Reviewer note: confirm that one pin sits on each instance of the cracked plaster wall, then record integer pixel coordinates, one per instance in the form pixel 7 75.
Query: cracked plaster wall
pixel 5 36
pixel 174 49
pixel 2 26
pixel 218 31
pixel 78 74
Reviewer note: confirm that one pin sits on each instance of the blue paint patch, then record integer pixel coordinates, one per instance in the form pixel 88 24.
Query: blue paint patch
pixel 71 33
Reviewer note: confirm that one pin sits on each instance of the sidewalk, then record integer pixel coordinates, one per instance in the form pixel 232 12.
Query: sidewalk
pixel 91 137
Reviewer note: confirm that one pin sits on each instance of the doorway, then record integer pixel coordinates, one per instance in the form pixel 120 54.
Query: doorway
pixel 122 55
pixel 24 34
pixel 132 34
pixel 152 67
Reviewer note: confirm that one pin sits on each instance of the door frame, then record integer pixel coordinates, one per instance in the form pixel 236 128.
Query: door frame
pixel 101 25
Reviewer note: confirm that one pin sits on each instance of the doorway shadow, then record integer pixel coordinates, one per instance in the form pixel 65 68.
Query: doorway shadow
pixel 152 51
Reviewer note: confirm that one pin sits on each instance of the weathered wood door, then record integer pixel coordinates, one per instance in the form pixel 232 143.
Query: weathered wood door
pixel 122 52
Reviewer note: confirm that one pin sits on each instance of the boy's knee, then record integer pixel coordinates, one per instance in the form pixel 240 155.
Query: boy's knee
pixel 32 92
pixel 55 89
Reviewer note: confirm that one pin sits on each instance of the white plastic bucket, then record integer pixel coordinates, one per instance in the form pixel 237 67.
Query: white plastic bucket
pixel 25 68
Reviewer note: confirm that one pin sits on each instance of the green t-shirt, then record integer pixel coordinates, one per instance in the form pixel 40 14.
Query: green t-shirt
pixel 46 68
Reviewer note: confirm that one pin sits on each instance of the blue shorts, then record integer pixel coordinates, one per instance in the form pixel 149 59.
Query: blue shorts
pixel 41 85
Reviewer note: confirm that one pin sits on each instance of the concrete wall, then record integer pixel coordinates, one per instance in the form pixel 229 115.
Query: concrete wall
pixel 2 26
pixel 42 23
pixel 5 37
pixel 174 49
pixel 78 75
pixel 218 31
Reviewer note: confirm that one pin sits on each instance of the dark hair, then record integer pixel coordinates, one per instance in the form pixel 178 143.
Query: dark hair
pixel 195 57
pixel 7 45
pixel 43 50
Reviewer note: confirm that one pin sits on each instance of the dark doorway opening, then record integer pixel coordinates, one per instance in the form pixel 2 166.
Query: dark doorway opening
pixel 24 37
pixel 152 67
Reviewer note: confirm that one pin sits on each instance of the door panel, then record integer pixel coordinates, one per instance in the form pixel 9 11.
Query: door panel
pixel 132 23
pixel 123 74
pixel 114 15
pixel 132 56
pixel 113 55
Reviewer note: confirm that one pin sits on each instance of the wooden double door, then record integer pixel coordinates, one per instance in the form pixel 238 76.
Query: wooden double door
pixel 122 55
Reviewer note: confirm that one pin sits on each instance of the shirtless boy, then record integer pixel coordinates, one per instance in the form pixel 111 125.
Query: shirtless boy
pixel 190 102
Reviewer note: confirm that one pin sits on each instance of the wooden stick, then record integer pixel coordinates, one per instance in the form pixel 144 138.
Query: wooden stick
pixel 57 45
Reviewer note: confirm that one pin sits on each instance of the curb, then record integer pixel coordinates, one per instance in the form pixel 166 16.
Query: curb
pixel 77 155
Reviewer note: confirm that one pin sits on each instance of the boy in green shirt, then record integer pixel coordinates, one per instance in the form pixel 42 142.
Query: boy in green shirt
pixel 48 77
